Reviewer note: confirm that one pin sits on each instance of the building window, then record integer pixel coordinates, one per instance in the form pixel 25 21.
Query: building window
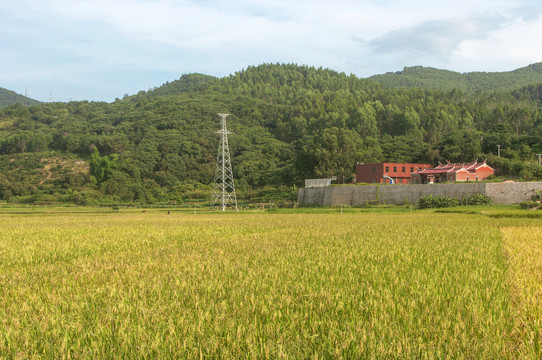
pixel 374 169
pixel 395 169
pixel 387 169
pixel 403 169
pixel 411 169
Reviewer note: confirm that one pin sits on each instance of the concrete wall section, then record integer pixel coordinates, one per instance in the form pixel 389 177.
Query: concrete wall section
pixel 512 193
pixel 338 195
pixel 311 196
pixel 363 194
pixel 501 193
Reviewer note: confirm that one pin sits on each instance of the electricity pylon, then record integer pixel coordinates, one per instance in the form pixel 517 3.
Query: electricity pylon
pixel 224 188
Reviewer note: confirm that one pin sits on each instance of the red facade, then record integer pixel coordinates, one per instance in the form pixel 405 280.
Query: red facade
pixel 453 172
pixel 399 173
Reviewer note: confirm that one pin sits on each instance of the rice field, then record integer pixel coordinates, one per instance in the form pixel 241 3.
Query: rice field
pixel 257 285
pixel 524 246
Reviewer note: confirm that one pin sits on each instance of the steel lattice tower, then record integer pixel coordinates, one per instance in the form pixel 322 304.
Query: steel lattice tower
pixel 224 188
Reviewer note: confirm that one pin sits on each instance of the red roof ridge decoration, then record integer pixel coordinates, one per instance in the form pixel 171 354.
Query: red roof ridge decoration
pixel 468 168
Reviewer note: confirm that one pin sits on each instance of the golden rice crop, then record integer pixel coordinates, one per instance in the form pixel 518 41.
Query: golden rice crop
pixel 152 285
pixel 524 248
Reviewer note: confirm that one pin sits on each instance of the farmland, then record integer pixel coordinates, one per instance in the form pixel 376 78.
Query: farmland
pixel 356 284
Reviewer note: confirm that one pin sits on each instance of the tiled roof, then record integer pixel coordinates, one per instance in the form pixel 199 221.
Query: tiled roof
pixel 452 168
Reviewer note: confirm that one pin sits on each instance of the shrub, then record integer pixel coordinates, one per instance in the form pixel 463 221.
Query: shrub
pixel 431 201
pixel 528 204
pixel 537 196
pixel 477 199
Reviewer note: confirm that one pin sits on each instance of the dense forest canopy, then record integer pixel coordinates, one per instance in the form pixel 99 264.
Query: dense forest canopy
pixel 290 122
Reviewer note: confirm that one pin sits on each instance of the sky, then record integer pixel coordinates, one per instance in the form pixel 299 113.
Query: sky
pixel 99 50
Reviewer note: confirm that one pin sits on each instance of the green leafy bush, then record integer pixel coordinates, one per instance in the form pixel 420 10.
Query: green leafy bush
pixel 477 199
pixel 431 201
pixel 528 204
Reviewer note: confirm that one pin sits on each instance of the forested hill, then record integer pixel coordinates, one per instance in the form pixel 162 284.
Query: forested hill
pixel 290 123
pixel 8 97
pixel 435 79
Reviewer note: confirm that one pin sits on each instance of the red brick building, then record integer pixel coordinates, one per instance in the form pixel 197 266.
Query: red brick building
pixel 396 173
pixel 453 172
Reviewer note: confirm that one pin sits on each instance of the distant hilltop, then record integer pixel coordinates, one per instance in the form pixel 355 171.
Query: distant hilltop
pixel 8 97
pixel 472 82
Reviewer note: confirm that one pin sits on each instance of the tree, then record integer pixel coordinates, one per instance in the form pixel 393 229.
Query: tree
pixel 364 121
pixel 370 151
pixel 461 146
pixel 101 167
pixel 331 152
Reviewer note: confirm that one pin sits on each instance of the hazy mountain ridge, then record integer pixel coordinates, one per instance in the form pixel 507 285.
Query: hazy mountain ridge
pixel 9 97
pixel 471 82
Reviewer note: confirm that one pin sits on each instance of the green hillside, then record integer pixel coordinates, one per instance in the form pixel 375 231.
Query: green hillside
pixel 435 79
pixel 8 97
pixel 289 122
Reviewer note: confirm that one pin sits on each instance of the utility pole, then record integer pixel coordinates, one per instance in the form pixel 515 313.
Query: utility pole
pixel 224 188
pixel 539 156
pixel 498 151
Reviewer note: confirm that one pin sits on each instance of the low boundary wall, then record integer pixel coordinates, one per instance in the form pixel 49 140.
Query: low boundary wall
pixel 500 193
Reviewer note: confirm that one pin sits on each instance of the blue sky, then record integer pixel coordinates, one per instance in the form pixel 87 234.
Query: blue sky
pixel 98 50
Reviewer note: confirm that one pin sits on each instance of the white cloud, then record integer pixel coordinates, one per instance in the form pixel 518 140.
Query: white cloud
pixel 436 38
pixel 143 38
pixel 507 48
